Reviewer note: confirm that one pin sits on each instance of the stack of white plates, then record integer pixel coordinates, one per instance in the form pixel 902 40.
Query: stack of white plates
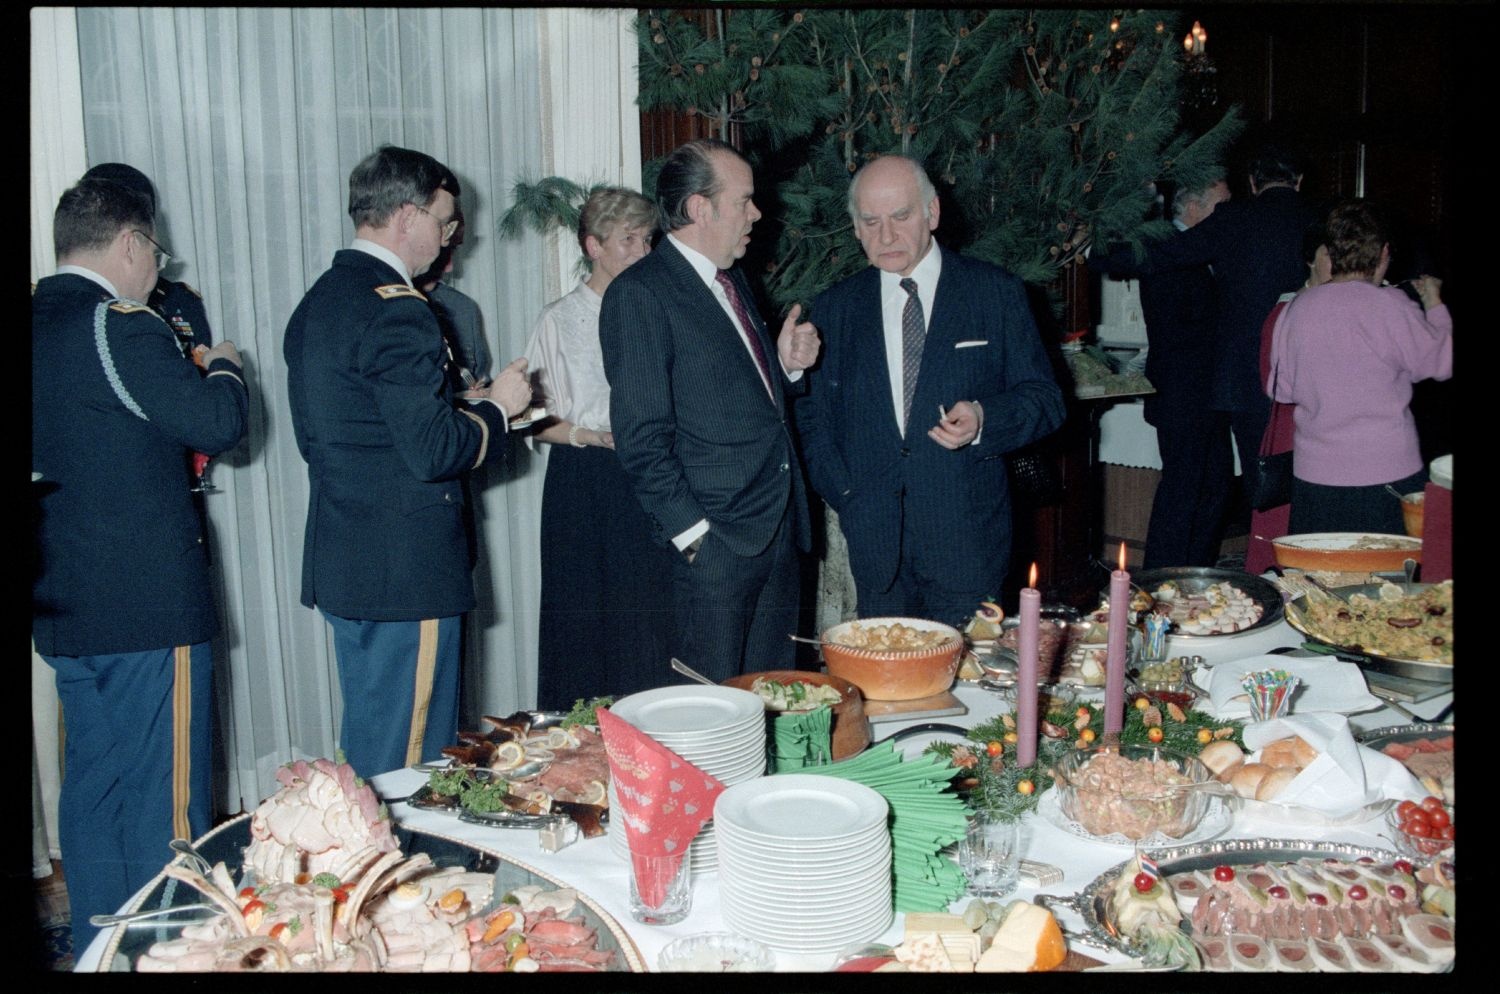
pixel 720 730
pixel 804 862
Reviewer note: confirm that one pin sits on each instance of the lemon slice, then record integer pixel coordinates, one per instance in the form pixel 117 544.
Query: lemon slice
pixel 595 793
pixel 561 738
pixel 508 755
pixel 539 755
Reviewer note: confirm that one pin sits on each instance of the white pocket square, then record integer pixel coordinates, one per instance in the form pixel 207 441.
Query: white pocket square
pixel 971 343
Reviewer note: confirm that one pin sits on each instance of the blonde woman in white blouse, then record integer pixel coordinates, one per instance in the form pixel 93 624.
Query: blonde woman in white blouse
pixel 606 608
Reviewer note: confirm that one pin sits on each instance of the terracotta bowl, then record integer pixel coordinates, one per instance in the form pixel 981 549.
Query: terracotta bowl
pixel 1336 551
pixel 851 729
pixel 894 675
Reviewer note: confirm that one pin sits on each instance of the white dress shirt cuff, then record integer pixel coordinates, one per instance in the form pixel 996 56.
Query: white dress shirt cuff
pixel 688 537
pixel 980 433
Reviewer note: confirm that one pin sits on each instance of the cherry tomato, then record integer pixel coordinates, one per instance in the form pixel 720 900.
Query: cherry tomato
pixel 1439 818
pixel 1430 803
pixel 1403 866
pixel 1279 892
pixel 1397 892
pixel 1419 829
pixel 1318 899
pixel 1405 808
pixel 1445 833
pixel 1418 817
pixel 1358 893
pixel 1223 874
pixel 1144 881
pixel 995 747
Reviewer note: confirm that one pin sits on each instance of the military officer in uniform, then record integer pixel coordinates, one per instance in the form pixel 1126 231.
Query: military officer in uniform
pixel 384 556
pixel 122 605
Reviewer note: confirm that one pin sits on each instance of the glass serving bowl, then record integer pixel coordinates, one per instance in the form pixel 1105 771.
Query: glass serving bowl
pixel 716 952
pixel 1414 847
pixel 1133 791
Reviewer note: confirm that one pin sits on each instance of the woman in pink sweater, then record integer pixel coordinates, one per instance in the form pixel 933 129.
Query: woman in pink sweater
pixel 1347 353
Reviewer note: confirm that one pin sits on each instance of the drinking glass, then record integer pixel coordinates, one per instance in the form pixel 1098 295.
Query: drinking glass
pixel 990 854
pixel 661 887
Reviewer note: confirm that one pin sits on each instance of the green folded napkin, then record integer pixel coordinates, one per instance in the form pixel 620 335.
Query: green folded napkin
pixel 800 739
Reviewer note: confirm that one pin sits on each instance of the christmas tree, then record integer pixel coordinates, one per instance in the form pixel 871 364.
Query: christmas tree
pixel 1039 127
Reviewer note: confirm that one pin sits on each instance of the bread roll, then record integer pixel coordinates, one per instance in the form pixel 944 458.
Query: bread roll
pixel 1222 757
pixel 1246 780
pixel 1274 783
pixel 1280 753
pixel 1304 751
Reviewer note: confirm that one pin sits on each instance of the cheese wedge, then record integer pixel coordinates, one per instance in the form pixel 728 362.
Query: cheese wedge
pixel 1028 940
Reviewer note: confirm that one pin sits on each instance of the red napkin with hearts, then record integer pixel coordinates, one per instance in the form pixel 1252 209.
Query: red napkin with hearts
pixel 660 798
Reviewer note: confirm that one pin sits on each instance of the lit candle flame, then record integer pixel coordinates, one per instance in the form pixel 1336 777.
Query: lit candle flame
pixel 1122 556
pixel 1033 576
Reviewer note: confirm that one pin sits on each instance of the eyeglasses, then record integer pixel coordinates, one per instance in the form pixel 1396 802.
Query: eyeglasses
pixel 162 255
pixel 447 227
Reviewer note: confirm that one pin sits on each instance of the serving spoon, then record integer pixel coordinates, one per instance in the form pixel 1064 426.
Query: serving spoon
pixel 691 673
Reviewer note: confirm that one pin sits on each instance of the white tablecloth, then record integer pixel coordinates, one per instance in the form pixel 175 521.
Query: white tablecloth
pixel 592 867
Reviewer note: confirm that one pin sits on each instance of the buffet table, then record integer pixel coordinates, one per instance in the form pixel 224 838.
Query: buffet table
pixel 593 868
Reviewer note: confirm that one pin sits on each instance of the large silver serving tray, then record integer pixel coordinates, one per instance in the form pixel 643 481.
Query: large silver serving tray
pixel 1093 905
pixel 1422 670
pixel 1379 738
pixel 1196 579
pixel 227 843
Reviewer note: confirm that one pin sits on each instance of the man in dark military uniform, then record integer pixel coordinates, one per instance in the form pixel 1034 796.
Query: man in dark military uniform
pixel 122 603
pixel 384 556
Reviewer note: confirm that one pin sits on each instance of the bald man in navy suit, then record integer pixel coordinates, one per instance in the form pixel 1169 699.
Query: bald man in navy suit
pixel 698 401
pixel 933 371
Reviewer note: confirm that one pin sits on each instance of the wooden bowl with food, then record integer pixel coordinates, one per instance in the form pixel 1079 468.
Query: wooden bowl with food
pixel 850 728
pixel 894 659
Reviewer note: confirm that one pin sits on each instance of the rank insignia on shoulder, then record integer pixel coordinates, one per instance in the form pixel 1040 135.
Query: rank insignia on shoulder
pixel 130 307
pixel 393 290
pixel 192 290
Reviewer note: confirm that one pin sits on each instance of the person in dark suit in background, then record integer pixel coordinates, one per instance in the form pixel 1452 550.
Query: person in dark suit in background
pixel 179 304
pixel 933 371
pixel 1254 245
pixel 1181 308
pixel 385 556
pixel 458 315
pixel 698 405
pixel 122 605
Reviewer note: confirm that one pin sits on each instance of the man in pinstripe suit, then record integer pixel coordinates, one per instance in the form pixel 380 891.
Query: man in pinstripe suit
pixel 698 402
pixel 933 372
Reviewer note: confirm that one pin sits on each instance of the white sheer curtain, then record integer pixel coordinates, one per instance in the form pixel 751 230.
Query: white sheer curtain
pixel 249 121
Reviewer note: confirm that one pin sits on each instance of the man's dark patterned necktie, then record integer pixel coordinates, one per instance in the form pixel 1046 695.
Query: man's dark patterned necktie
pixel 913 334
pixel 738 307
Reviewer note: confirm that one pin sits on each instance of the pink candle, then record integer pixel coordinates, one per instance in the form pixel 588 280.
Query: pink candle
pixel 1026 676
pixel 1114 664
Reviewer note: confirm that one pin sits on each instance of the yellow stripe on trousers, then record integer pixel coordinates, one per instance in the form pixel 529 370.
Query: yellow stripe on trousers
pixel 427 643
pixel 182 739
